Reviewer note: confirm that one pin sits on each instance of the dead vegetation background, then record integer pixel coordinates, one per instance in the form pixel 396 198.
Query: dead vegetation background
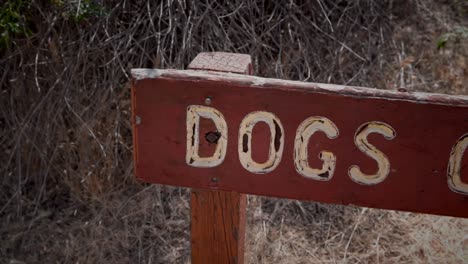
pixel 67 189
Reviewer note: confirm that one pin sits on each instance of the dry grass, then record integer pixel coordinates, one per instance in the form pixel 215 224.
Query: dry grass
pixel 68 193
pixel 293 232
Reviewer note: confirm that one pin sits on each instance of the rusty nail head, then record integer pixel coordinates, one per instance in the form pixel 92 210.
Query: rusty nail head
pixel 402 90
pixel 214 179
pixel 137 120
pixel 208 100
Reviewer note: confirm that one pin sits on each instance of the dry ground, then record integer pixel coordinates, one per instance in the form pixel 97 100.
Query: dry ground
pixel 67 189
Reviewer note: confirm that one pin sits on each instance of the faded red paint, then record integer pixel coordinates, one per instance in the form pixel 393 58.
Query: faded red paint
pixel 427 127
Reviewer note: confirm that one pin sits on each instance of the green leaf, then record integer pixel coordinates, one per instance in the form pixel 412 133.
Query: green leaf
pixel 441 42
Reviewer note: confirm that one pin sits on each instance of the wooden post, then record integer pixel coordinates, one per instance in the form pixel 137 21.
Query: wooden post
pixel 218 217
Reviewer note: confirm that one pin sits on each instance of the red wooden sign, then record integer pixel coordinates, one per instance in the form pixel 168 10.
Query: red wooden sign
pixel 308 141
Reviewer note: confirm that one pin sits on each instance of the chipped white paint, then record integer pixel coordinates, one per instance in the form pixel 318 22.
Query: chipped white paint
pixel 140 74
pixel 259 82
pixel 303 134
pixel 194 112
pixel 454 166
pixel 245 142
pixel 370 150
pixel 305 131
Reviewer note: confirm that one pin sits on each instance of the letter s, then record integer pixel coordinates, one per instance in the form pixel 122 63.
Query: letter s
pixel 370 150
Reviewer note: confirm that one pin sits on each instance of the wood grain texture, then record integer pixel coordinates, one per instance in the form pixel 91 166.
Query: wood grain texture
pixel 427 127
pixel 218 217
pixel 218 226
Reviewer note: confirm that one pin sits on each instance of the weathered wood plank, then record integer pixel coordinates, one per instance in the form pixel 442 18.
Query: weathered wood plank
pixel 410 145
pixel 218 217
pixel 218 226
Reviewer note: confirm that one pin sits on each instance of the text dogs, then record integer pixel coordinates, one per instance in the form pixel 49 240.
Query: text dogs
pixel 303 134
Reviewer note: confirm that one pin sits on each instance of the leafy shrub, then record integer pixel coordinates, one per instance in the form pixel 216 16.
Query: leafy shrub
pixel 456 35
pixel 80 11
pixel 12 22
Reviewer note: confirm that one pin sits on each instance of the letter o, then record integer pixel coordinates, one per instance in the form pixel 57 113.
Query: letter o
pixel 245 142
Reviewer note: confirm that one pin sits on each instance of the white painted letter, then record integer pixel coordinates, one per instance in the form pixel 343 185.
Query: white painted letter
pixel 303 134
pixel 194 112
pixel 454 167
pixel 370 150
pixel 245 142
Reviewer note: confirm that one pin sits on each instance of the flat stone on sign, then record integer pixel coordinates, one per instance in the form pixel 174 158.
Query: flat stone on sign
pixel 225 62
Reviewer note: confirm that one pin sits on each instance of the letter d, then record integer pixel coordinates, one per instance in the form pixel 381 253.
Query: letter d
pixel 194 112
